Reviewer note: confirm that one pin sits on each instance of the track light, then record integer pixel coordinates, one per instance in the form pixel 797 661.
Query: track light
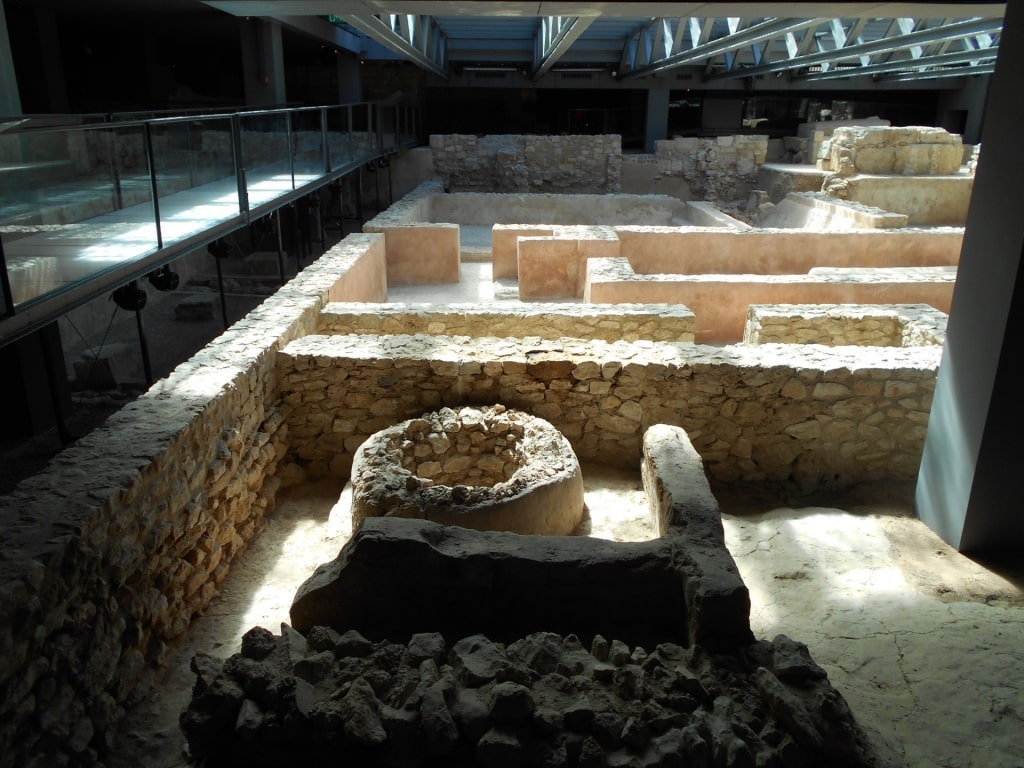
pixel 129 297
pixel 163 279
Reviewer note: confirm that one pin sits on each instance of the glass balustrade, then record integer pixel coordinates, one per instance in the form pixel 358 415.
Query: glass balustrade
pixel 83 199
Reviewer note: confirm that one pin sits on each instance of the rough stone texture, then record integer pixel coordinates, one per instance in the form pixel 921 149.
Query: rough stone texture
pixel 901 325
pixel 528 163
pixel 503 584
pixel 107 554
pixel 756 413
pixel 620 322
pixel 483 468
pixel 542 699
pixel 907 151
pixel 718 169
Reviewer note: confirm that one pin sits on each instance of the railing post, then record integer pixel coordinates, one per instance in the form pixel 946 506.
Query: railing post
pixel 323 140
pixel 236 144
pixel 152 183
pixel 291 151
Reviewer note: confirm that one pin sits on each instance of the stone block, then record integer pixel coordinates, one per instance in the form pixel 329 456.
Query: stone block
pixel 548 268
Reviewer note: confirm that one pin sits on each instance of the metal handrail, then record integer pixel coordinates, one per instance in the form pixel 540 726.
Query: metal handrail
pixel 36 311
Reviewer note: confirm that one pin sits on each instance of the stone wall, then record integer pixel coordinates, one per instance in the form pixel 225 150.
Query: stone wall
pixel 622 322
pixel 900 325
pixel 722 169
pixel 905 151
pixel 528 163
pixel 107 554
pixel 720 301
pixel 813 416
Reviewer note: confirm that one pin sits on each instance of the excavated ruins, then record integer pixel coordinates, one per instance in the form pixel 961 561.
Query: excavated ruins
pixel 426 644
pixel 498 649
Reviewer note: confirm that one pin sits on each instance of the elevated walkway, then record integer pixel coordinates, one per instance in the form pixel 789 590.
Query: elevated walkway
pixel 89 208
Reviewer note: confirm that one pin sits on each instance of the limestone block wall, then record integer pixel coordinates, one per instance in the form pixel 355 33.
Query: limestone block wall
pixel 906 151
pixel 664 322
pixel 487 208
pixel 529 163
pixel 718 169
pixel 107 554
pixel 759 413
pixel 898 325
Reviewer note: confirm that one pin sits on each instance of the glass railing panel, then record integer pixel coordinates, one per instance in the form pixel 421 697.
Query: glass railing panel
pixel 197 187
pixel 339 135
pixel 364 140
pixel 307 137
pixel 73 203
pixel 266 156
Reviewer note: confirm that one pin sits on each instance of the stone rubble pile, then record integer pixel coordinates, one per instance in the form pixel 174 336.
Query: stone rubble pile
pixel 542 700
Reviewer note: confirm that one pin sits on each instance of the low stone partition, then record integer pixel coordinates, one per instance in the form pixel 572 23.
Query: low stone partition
pixel 108 553
pixel 759 413
pixel 621 322
pixel 927 201
pixel 762 251
pixel 720 301
pixel 555 267
pixel 821 212
pixel 901 325
pixel 418 251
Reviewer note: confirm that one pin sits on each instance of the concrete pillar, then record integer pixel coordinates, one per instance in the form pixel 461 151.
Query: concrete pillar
pixel 10 101
pixel 263 63
pixel 968 488
pixel 34 387
pixel 656 127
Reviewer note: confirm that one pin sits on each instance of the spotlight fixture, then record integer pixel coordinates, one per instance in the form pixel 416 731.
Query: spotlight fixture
pixel 218 249
pixel 129 297
pixel 163 279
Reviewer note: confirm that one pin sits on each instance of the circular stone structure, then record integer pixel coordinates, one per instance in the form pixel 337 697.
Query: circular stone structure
pixel 489 469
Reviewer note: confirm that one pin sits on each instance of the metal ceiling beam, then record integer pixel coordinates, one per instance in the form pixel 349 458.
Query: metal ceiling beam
pixel 961 57
pixel 882 45
pixel 555 37
pixel 416 38
pixel 936 74
pixel 750 36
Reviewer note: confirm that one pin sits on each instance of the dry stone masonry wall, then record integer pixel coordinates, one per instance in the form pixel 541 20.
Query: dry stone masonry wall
pixel 107 554
pixel 901 325
pixel 722 169
pixel 620 322
pixel 755 413
pixel 528 163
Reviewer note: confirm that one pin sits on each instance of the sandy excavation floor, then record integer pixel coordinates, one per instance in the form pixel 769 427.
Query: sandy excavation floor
pixel 924 643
